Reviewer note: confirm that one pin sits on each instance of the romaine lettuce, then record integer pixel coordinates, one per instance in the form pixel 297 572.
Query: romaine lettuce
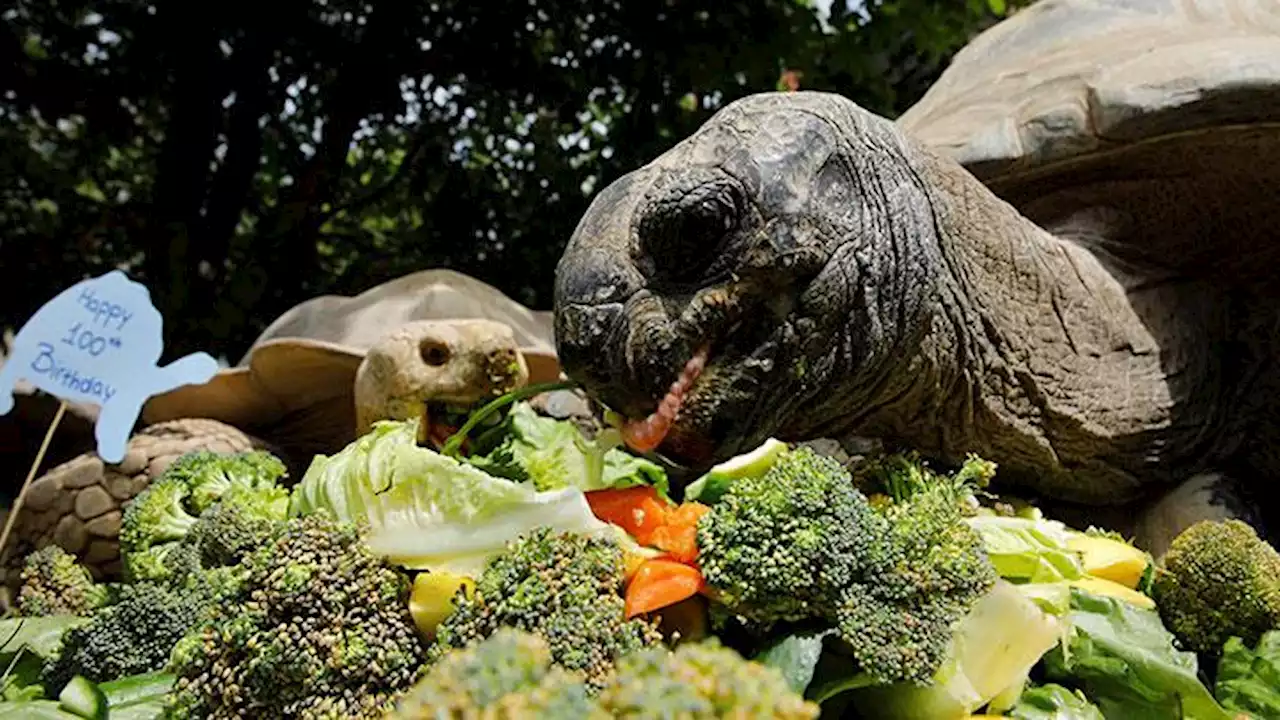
pixel 553 454
pixel 1249 680
pixel 1126 662
pixel 429 511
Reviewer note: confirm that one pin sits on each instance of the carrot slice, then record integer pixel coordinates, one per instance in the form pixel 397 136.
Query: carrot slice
pixel 678 541
pixel 679 536
pixel 660 583
pixel 638 510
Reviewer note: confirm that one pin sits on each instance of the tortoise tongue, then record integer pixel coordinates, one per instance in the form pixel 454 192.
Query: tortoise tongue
pixel 646 434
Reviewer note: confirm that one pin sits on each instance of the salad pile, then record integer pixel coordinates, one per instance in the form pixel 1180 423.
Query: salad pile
pixel 525 570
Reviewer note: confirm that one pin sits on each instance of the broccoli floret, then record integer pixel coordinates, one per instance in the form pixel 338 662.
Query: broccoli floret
pixel 922 577
pixel 1219 580
pixel 801 542
pixel 133 635
pixel 512 674
pixel 170 564
pixel 511 670
pixel 564 587
pixel 241 522
pixel 702 680
pixel 156 515
pixel 54 583
pixel 209 475
pixel 315 625
pixel 168 510
pixel 902 476
pixel 780 546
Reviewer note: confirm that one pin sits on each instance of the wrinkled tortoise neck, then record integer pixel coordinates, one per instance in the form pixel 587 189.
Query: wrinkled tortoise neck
pixel 1033 355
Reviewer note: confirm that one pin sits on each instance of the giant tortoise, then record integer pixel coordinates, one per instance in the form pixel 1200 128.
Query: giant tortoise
pixel 1061 258
pixel 316 378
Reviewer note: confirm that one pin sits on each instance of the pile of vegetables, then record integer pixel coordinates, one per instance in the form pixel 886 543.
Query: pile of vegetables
pixel 531 571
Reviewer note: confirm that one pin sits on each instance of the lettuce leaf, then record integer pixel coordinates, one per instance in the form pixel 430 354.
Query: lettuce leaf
pixel 1126 662
pixel 1028 549
pixel 553 454
pixel 429 511
pixel 1249 680
pixel 1054 702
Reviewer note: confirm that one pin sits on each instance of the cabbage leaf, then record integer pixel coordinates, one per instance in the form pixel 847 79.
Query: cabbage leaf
pixel 428 511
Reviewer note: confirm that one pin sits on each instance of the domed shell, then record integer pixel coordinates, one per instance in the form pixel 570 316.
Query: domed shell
pixel 1066 79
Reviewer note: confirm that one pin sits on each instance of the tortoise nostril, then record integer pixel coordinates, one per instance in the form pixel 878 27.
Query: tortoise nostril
pixel 434 352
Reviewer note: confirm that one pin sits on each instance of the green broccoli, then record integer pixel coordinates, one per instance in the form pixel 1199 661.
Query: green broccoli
pixel 512 674
pixel 780 546
pixel 132 635
pixel 801 542
pixel 701 680
pixel 170 563
pixel 564 587
pixel 1219 579
pixel 238 524
pixel 313 625
pixel 511 670
pixel 174 506
pixel 921 577
pixel 54 583
pixel 209 475
pixel 156 515
pixel 901 476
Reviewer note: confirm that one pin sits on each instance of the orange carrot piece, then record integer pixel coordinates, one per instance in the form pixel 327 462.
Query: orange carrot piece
pixel 661 583
pixel 638 510
pixel 679 536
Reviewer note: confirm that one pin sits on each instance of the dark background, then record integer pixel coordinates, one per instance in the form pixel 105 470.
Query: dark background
pixel 240 157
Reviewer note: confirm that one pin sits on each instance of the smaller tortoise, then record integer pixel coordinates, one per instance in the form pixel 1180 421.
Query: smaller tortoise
pixel 316 378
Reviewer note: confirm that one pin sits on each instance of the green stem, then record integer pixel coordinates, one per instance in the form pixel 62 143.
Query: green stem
pixel 454 443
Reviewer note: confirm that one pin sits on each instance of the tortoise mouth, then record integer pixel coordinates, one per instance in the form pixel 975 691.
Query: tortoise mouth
pixel 724 398
pixel 441 419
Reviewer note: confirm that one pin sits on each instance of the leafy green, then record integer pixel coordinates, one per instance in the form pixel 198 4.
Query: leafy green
pixel 796 656
pixel 1126 662
pixel 39 635
pixel 1054 702
pixel 429 511
pixel 1028 550
pixel 553 454
pixel 1249 680
pixel 715 483
pixel 138 697
pixel 27 642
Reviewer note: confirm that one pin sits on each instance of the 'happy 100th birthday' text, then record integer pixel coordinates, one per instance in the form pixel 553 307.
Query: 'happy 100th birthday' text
pixel 64 360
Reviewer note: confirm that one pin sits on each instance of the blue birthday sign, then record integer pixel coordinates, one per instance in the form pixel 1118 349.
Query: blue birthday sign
pixel 99 342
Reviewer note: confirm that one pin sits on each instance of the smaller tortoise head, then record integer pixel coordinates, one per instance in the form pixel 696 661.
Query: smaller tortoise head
pixel 790 237
pixel 436 362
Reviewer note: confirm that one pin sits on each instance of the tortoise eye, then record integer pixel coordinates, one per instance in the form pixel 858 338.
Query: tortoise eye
pixel 683 231
pixel 434 352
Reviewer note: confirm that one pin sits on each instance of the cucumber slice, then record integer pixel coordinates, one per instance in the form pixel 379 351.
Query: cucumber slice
pixel 710 487
pixel 83 699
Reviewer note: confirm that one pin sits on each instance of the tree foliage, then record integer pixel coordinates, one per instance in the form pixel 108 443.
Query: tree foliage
pixel 240 158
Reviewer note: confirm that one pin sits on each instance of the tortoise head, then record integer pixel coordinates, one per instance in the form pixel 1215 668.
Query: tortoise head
pixel 783 236
pixel 431 366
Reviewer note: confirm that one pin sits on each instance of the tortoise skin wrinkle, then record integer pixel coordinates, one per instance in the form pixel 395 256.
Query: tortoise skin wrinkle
pixel 852 280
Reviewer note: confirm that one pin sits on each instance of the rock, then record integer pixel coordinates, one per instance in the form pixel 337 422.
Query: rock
pixel 43 494
pixel 93 501
pixel 101 551
pixel 134 462
pixel 82 472
pixel 70 534
pixel 120 487
pixel 105 526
